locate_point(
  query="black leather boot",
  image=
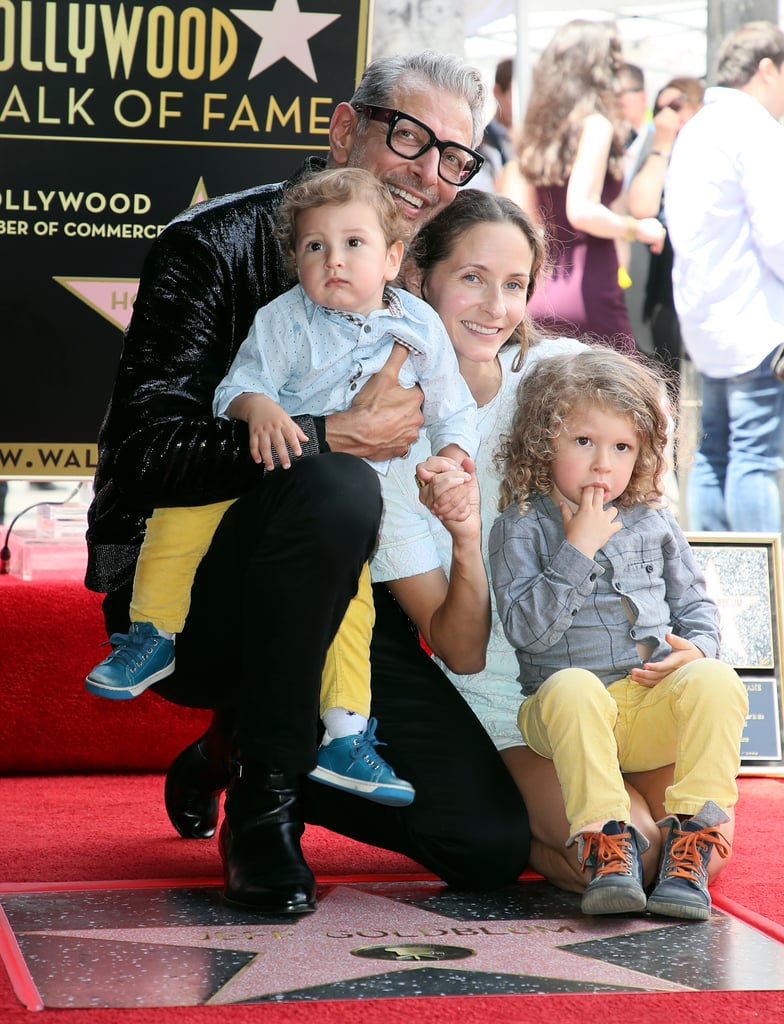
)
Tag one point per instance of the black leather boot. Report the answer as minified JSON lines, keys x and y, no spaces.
{"x":263,"y":866}
{"x":198,"y":776}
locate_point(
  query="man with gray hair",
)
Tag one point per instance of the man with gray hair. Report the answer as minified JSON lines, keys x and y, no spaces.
{"x":725,"y":217}
{"x":284,"y":563}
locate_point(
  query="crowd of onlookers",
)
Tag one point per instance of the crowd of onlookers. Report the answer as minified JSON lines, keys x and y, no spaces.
{"x":666,"y":235}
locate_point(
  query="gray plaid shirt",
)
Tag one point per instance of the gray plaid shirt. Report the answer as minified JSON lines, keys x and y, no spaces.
{"x":560,"y":608}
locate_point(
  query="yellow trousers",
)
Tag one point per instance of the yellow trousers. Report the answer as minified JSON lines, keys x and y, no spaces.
{"x":176,"y":541}
{"x":693,"y":718}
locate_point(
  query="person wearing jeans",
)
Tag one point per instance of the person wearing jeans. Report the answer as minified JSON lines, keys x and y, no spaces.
{"x":722,"y":202}
{"x":734,"y":481}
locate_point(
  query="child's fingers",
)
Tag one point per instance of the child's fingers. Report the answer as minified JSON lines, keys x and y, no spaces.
{"x":255,"y":447}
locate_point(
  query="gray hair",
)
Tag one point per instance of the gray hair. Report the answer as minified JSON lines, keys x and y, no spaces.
{"x":442,"y":70}
{"x":740,"y":53}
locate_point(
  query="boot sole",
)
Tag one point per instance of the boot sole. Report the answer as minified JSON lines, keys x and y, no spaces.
{"x":289,"y":908}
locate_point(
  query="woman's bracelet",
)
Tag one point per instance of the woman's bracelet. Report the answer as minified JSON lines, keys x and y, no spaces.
{"x":630,"y":234}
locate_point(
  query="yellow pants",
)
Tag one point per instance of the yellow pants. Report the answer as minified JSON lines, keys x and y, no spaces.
{"x":693,"y":718}
{"x":176,"y":541}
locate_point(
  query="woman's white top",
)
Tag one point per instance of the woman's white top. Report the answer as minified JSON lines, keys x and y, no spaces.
{"x":412,"y":541}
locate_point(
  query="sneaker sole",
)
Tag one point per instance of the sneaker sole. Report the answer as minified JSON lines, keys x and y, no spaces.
{"x":616,"y":900}
{"x":100,"y":689}
{"x":687,"y":911}
{"x":379,"y":793}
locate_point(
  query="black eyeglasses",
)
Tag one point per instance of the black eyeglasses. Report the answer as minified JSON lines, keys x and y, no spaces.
{"x":675,"y":105}
{"x":410,"y":138}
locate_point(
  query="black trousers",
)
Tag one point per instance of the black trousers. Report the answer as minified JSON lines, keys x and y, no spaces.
{"x":668,"y":345}
{"x":267,"y":601}
{"x":468,"y":823}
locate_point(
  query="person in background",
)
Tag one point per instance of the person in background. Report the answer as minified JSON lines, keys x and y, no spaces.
{"x":633,"y":102}
{"x":725,"y":218}
{"x":676,"y":102}
{"x":633,"y":256}
{"x":571,"y":156}
{"x":496,"y":145}
{"x":285,"y":560}
{"x":616,"y":637}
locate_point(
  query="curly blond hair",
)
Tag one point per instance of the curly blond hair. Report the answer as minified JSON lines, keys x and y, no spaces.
{"x":549,"y":394}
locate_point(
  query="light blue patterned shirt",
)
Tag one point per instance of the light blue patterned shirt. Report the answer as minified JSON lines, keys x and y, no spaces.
{"x":313,"y":360}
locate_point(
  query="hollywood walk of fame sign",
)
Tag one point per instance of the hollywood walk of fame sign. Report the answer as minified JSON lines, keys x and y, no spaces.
{"x":182,"y":946}
{"x":109,"y":115}
{"x":743,"y":573}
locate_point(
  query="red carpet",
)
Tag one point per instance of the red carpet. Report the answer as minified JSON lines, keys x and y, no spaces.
{"x":102,"y":827}
{"x":63,"y":827}
{"x":50,"y":638}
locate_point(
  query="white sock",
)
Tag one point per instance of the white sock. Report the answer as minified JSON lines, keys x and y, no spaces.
{"x":161,"y":632}
{"x":339,"y":722}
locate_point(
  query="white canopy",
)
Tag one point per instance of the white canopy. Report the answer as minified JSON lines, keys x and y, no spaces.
{"x":664,"y":39}
{"x":544,"y":13}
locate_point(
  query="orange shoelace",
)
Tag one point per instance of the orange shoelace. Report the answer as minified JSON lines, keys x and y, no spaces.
{"x":685,"y":854}
{"x":613,"y":853}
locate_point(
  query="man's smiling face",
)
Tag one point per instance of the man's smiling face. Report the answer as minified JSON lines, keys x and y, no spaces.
{"x":415,"y":184}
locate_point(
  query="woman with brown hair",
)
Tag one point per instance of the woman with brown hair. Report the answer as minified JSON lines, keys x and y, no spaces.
{"x":570,"y":160}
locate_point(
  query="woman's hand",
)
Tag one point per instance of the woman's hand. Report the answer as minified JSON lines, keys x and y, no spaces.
{"x":651,"y":232}
{"x":652,"y":672}
{"x":452,"y":613}
{"x":449,"y":490}
{"x":666,"y":125}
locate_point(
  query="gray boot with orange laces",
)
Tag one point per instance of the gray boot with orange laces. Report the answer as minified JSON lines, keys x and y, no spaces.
{"x":681,"y":889}
{"x":614,"y":855}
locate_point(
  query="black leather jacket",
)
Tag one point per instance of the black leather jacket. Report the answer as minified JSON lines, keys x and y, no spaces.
{"x":202,"y":282}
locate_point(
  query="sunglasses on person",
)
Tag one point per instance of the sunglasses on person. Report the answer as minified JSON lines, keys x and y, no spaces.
{"x":676,"y":105}
{"x":410,"y":138}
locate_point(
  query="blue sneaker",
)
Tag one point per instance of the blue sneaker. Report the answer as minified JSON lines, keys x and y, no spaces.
{"x":614,"y":855}
{"x":352,"y":764}
{"x":140,"y":658}
{"x":681,"y":888}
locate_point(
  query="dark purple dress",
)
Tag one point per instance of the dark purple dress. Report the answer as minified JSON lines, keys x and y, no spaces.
{"x":580,"y":294}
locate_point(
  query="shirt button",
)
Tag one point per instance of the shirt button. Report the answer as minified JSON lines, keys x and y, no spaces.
{"x":592,"y":577}
{"x":649,"y":568}
{"x":367,"y":328}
